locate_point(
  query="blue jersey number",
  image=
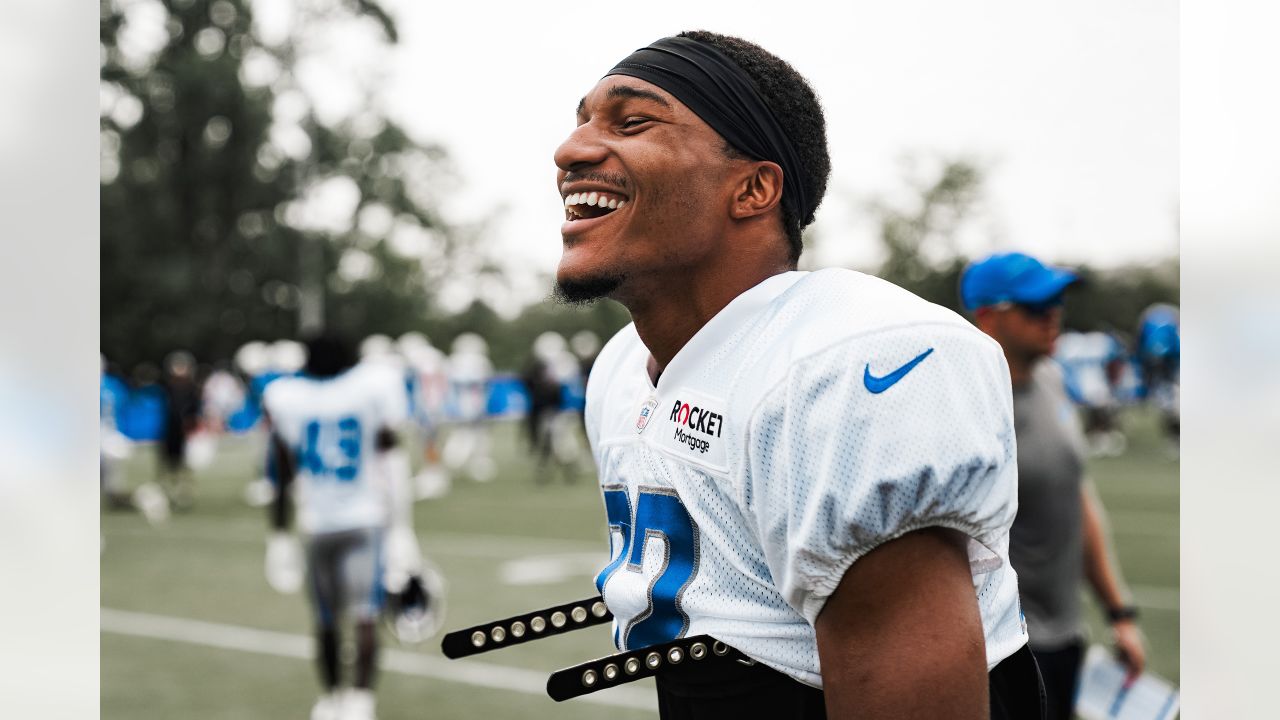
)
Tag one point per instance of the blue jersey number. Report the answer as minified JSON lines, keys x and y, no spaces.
{"x":657,"y":514}
{"x":331,"y":448}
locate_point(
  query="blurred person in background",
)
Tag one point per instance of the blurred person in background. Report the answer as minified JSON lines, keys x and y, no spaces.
{"x":333,"y":434}
{"x":224,"y":394}
{"x":1092,"y":364}
{"x":544,"y":398}
{"x":181,"y":419}
{"x":468,"y":447}
{"x":1059,"y":535}
{"x":144,"y":416}
{"x":113,"y":446}
{"x":554,"y":382}
{"x":428,"y":386}
{"x":586,"y":346}
{"x":1158,"y":355}
{"x":252,"y":361}
{"x":263,"y":364}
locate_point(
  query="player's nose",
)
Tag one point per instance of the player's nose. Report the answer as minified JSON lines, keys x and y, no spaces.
{"x":582,"y":149}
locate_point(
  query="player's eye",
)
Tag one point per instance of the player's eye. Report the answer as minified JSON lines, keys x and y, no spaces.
{"x":634,"y":122}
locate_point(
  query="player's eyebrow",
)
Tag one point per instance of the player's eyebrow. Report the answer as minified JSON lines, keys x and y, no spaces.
{"x":626,"y":91}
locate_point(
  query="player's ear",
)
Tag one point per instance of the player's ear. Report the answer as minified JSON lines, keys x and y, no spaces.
{"x":985,"y":318}
{"x":758,"y":191}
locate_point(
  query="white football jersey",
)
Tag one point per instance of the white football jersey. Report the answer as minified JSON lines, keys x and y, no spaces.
{"x":815,"y":417}
{"x":1084,"y":358}
{"x":330,"y":425}
{"x":469,"y":372}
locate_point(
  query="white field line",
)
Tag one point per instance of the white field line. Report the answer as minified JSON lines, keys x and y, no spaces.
{"x":300,"y":647}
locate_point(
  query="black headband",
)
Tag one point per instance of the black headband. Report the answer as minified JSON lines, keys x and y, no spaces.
{"x":719,"y":92}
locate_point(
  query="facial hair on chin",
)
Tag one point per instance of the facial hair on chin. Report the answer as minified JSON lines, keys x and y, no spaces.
{"x":582,"y":291}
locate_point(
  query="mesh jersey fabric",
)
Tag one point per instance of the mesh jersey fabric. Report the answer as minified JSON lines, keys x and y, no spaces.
{"x":330,"y":425}
{"x":789,"y":468}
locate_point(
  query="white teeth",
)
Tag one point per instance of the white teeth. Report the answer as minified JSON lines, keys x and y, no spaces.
{"x":591,"y":199}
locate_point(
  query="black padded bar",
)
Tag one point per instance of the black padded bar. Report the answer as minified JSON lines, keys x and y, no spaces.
{"x":523,"y":628}
{"x":646,"y":662}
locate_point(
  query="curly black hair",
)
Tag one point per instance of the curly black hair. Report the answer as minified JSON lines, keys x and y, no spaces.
{"x":329,"y":355}
{"x":795,"y":105}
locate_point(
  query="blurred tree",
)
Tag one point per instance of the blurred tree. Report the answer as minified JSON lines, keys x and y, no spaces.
{"x":920,"y":242}
{"x":920,"y":235}
{"x":227,"y":206}
{"x":1112,"y":299}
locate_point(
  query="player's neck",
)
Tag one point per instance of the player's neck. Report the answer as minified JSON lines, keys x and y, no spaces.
{"x":1020,"y":368}
{"x":666,"y":324}
{"x":666,"y":321}
{"x":670,"y":308}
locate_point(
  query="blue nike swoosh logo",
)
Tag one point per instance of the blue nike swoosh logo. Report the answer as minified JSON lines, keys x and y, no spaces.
{"x":880,"y":384}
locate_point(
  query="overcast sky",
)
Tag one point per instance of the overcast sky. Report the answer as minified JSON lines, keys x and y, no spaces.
{"x":1072,"y":107}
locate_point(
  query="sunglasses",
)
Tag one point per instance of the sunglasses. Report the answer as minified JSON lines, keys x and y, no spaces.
{"x":1035,"y":310}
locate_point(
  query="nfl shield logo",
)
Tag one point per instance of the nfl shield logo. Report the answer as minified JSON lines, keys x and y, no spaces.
{"x":646,"y":412}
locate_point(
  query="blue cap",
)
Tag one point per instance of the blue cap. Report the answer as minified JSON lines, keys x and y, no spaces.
{"x":1011,"y":277}
{"x":1158,"y":332}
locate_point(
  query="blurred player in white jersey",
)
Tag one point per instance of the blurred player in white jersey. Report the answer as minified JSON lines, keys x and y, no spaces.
{"x":816,"y":469}
{"x":428,"y":388}
{"x":333,"y":432}
{"x":224,"y":394}
{"x":467,"y":449}
{"x":1092,"y":364}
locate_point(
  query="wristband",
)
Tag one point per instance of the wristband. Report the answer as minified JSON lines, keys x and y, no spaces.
{"x":1124,"y":612}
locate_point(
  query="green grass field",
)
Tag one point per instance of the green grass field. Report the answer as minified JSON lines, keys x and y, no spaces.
{"x":191,"y":629}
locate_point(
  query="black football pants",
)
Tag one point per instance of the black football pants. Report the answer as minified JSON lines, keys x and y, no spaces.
{"x":758,"y":692}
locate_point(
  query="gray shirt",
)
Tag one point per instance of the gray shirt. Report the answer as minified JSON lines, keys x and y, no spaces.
{"x":1046,"y":546}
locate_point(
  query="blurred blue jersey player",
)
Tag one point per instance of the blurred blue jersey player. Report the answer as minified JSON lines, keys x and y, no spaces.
{"x":333,"y":440}
{"x":1159,"y":349}
{"x":113,"y":395}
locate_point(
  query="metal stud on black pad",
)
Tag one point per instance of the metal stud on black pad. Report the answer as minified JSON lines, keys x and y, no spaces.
{"x":622,"y":668}
{"x":512,"y":630}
